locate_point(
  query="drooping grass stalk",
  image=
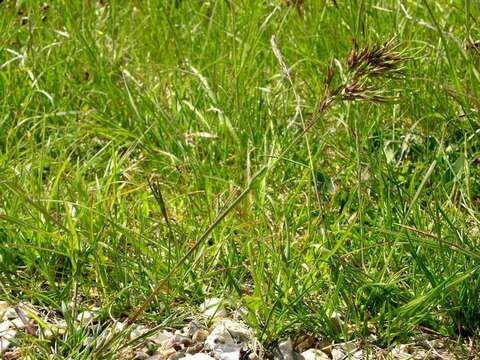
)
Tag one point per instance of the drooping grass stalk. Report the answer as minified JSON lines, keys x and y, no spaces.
{"x":363,"y":66}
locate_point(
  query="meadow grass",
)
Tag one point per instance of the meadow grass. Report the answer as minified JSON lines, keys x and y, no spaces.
{"x":175,"y":148}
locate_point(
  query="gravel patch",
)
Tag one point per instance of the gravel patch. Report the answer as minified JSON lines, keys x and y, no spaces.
{"x":225,"y":339}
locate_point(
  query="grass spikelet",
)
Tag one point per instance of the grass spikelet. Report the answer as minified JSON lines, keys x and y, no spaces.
{"x":365,"y":64}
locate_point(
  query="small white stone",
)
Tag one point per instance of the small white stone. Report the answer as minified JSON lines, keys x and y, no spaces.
{"x":4,"y":326}
{"x":338,"y":354}
{"x":54,"y":330}
{"x":10,"y":334}
{"x":138,"y":331}
{"x":349,"y":347}
{"x":6,"y":340}
{"x":213,"y":308}
{"x":4,"y":306}
{"x":4,"y":345}
{"x":118,"y":326}
{"x":48,"y":334}
{"x":315,"y":354}
{"x":141,"y":355}
{"x":239,"y":332}
{"x":71,"y":305}
{"x":85,"y":317}
{"x":190,"y":329}
{"x":18,"y":323}
{"x":337,"y":320}
{"x":228,"y":355}
{"x":222,"y":344}
{"x":197,"y":356}
{"x":227,"y":339}
{"x":285,"y":350}
{"x":10,"y":314}
{"x":218,"y":336}
{"x":358,"y":354}
{"x":162,"y":338}
{"x":398,"y":353}
{"x":156,"y":357}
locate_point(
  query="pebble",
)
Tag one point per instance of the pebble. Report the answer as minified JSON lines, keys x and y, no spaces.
{"x":228,"y":339}
{"x":168,"y":352}
{"x":162,"y":338}
{"x":10,"y":314}
{"x":225,"y":340}
{"x":4,"y":326}
{"x":338,"y":354}
{"x":4,"y":345}
{"x":55,"y":330}
{"x":358,"y":354}
{"x":4,"y":306}
{"x":284,"y":351}
{"x":14,"y":355}
{"x":18,"y":324}
{"x":6,"y":340}
{"x":200,"y":335}
{"x":198,"y":356}
{"x":222,"y":344}
{"x":238,"y":331}
{"x":398,"y":352}
{"x":191,"y":329}
{"x":85,"y":317}
{"x":141,"y":355}
{"x":138,"y":331}
{"x":218,"y":337}
{"x":118,"y":326}
{"x":315,"y":354}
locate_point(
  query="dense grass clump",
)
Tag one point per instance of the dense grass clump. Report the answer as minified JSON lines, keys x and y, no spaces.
{"x":301,"y":159}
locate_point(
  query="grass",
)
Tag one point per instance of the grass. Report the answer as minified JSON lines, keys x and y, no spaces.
{"x":128,"y":128}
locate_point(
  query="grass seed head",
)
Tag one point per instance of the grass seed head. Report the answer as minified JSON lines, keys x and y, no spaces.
{"x":364,"y":64}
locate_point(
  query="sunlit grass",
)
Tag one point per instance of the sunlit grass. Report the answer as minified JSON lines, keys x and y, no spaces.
{"x":128,"y":128}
